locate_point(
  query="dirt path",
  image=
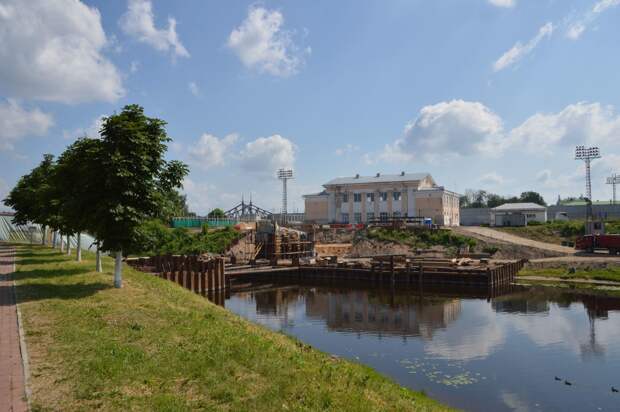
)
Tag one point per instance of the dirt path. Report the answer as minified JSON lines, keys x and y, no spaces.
{"x":475,"y":231}
{"x":12,"y":387}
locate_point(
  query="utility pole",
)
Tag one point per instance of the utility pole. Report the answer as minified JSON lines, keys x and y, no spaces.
{"x":613,"y":180}
{"x":284,"y":175}
{"x":587,"y":154}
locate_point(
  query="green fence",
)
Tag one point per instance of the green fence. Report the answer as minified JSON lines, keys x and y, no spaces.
{"x":197,"y":222}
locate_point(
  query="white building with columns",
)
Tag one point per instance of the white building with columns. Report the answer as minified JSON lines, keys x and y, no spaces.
{"x":360,"y":199}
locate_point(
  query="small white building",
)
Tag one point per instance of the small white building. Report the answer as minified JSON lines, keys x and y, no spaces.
{"x":517,"y":214}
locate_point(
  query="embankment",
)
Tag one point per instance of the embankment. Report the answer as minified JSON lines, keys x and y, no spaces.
{"x":153,"y":345}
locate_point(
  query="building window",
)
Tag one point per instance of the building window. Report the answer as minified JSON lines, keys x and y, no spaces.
{"x":344,"y":218}
{"x":383,"y":216}
{"x":396,"y":195}
{"x":345,"y":197}
{"x":383,"y":196}
{"x":396,"y":215}
{"x":370,"y":216}
{"x":530,"y":216}
{"x":357,"y":197}
{"x":370,"y":197}
{"x":357,"y":217}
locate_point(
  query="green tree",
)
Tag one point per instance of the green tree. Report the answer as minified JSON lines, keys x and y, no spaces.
{"x":135,"y":179}
{"x":532,"y":197}
{"x":31,"y":197}
{"x":77,"y":181}
{"x":216,"y":213}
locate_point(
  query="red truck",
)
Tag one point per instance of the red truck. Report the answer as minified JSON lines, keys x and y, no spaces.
{"x":590,"y":243}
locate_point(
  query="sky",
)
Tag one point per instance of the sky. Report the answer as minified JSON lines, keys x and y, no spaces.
{"x":481,"y":94}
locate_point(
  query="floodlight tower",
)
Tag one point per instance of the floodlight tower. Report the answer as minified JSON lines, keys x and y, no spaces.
{"x":284,"y":175}
{"x":587,"y":154}
{"x":613,"y":180}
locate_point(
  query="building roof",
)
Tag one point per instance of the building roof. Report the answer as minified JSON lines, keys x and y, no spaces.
{"x":519,"y":206}
{"x":323,"y":193}
{"x":583,"y":203}
{"x":380,"y":178}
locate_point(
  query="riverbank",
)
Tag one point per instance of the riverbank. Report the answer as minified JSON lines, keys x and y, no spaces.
{"x":153,"y":345}
{"x":608,"y":274}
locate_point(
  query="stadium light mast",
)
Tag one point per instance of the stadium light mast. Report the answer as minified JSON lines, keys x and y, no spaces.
{"x":613,"y":180}
{"x":587,"y":154}
{"x":284,"y":175}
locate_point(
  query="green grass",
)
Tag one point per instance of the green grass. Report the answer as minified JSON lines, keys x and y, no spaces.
{"x":153,"y":345}
{"x":557,"y":231}
{"x":421,"y":238}
{"x":609,"y":273}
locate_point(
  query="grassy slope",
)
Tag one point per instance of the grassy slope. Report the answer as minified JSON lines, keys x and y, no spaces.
{"x":556,"y":232}
{"x":609,"y":273}
{"x":155,"y":346}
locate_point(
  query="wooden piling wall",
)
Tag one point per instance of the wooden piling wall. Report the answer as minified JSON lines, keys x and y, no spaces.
{"x":412,"y":274}
{"x":200,"y":276}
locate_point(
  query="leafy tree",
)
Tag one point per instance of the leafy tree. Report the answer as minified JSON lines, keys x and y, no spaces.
{"x":494,"y":200}
{"x":177,"y":206}
{"x":77,"y":181}
{"x":532,"y":197}
{"x":216,"y":213}
{"x":135,"y":179}
{"x":31,"y":197}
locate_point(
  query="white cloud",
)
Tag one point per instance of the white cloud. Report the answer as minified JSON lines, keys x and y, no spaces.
{"x":346,"y":149}
{"x":199,"y":196}
{"x":580,"y":123}
{"x":459,"y":128}
{"x":519,"y":50}
{"x":578,"y":27}
{"x":544,"y":176}
{"x":456,"y":127}
{"x":17,"y":122}
{"x":4,"y":191}
{"x":492,"y":178}
{"x":262,"y":44}
{"x":139,"y":23}
{"x":503,"y":3}
{"x":193,"y":88}
{"x":91,"y":131}
{"x":210,"y":150}
{"x":266,"y":155}
{"x":52,"y":50}
{"x":135,"y":65}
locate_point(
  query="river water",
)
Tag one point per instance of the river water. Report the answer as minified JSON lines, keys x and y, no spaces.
{"x":535,"y":349}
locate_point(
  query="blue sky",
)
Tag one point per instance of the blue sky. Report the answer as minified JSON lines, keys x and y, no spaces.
{"x":490,"y":94}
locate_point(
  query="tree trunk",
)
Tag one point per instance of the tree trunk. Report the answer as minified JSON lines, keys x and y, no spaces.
{"x":118,"y":266}
{"x":98,"y":259}
{"x":43,"y":232}
{"x":54,"y":234}
{"x":68,"y":245}
{"x":78,"y":254}
{"x":62,"y":242}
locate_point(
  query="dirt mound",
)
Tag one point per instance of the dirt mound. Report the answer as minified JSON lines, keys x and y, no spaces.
{"x":327,"y":236}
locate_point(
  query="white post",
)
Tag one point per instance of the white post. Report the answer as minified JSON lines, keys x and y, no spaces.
{"x":118,"y":280}
{"x":78,"y":254}
{"x":98,"y":259}
{"x":68,"y":245}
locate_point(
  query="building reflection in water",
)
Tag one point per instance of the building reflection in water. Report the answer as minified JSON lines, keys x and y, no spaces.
{"x":361,"y":311}
{"x":367,"y":312}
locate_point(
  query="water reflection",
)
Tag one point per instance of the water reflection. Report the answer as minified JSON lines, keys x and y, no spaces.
{"x":500,"y":353}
